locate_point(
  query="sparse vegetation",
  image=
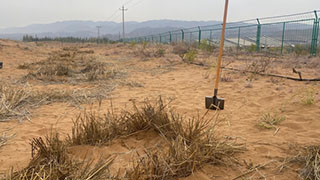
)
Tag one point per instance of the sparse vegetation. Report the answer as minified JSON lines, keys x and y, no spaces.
{"x":308,"y":96}
{"x":50,"y":160}
{"x":190,"y":56}
{"x":270,"y":120}
{"x":191,"y":143}
{"x":205,"y":45}
{"x":16,"y":100}
{"x":71,"y":65}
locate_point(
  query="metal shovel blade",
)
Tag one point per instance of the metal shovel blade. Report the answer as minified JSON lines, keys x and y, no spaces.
{"x":214,"y":103}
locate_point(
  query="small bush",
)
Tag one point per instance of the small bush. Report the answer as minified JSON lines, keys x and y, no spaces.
{"x":301,"y":50}
{"x":190,"y":56}
{"x":160,"y":53}
{"x":252,"y":48}
{"x":206,"y":46}
{"x":133,"y":44}
{"x":180,"y":49}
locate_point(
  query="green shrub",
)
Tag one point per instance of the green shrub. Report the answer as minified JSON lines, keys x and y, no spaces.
{"x":133,"y":44}
{"x":190,"y":56}
{"x":160,"y":52}
{"x":301,"y":49}
{"x":206,"y":46}
{"x":252,"y":48}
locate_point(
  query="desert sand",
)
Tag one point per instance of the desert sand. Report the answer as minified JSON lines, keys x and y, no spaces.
{"x":248,"y":99}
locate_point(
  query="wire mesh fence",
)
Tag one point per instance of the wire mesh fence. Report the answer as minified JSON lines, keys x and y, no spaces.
{"x":298,"y":33}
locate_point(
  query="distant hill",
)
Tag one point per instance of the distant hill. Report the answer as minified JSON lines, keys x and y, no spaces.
{"x":88,"y":28}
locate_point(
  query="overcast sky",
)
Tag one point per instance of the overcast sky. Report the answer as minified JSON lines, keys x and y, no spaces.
{"x":17,"y":13}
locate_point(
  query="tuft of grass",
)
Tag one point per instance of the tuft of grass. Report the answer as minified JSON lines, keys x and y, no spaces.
{"x":308,"y":96}
{"x":191,"y":143}
{"x":269,"y":120}
{"x":50,"y":160}
{"x":12,"y":100}
{"x":311,"y":162}
{"x":4,"y":138}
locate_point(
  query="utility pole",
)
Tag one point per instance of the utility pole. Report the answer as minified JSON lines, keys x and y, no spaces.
{"x":123,"y":31}
{"x":98,"y":27}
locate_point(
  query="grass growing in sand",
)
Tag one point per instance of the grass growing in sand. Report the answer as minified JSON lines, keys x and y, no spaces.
{"x":307,"y":160}
{"x":308,"y":96}
{"x":270,"y":120}
{"x":16,"y":100}
{"x":71,"y":65}
{"x":191,"y":143}
{"x":50,"y":160}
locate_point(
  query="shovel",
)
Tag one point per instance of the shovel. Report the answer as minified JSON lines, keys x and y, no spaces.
{"x":213,"y":102}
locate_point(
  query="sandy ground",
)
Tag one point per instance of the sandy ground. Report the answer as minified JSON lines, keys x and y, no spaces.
{"x":187,"y":85}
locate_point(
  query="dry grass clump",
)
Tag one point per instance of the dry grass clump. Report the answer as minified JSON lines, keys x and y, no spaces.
{"x":180,"y":49}
{"x":259,"y":66}
{"x":12,"y":100}
{"x":93,"y":129}
{"x":307,"y":160}
{"x":191,"y":143}
{"x":146,"y":51}
{"x":16,"y":100}
{"x":308,"y":96}
{"x":50,"y":161}
{"x":71,"y":66}
{"x":4,"y":138}
{"x":311,"y":161}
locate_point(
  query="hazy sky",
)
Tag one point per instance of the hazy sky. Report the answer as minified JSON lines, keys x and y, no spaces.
{"x":25,"y":12}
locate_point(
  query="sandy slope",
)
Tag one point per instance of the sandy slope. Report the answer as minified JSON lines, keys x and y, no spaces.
{"x":187,"y":85}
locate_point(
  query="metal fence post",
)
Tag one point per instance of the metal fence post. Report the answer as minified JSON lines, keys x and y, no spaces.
{"x":199,"y":36}
{"x":170,"y":39}
{"x":315,"y":34}
{"x":182,"y":35}
{"x":160,"y":39}
{"x":282,"y":39}
{"x":258,"y":35}
{"x":239,"y":38}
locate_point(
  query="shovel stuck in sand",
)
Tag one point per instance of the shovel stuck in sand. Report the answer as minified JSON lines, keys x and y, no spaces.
{"x":214,"y":102}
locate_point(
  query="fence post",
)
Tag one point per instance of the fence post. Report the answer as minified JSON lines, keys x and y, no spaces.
{"x":282,"y":40}
{"x":199,"y":36}
{"x":238,"y":38}
{"x":182,"y":35}
{"x":258,"y":35}
{"x":210,"y":35}
{"x":170,"y":37}
{"x":160,"y":39}
{"x":315,"y":33}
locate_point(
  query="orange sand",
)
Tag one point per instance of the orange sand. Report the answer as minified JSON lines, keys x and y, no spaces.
{"x":187,"y":85}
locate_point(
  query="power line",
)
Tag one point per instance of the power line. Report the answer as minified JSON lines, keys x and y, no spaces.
{"x":128,"y":2}
{"x":136,"y":4}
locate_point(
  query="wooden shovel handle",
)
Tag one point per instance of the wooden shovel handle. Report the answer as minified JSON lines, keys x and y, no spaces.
{"x":221,"y":46}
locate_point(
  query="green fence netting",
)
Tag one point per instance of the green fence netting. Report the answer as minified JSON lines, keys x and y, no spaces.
{"x":279,"y":34}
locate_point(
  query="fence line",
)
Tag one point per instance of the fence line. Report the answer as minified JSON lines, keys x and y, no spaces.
{"x":280,"y":34}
